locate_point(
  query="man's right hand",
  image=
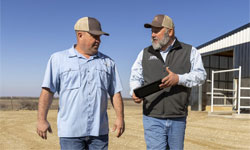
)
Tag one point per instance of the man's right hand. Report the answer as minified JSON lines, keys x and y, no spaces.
{"x":42,"y":128}
{"x":136,"y":99}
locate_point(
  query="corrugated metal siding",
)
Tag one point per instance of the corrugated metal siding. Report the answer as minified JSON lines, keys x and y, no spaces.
{"x":219,"y":51}
{"x":235,"y":37}
{"x":240,"y":37}
{"x":242,"y":58}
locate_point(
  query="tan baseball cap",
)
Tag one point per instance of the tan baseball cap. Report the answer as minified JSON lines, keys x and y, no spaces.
{"x":90,"y":25}
{"x":160,"y":21}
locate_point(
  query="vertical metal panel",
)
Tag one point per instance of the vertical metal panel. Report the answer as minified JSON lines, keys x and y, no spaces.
{"x":194,"y":98}
{"x":242,"y":58}
{"x":247,"y":57}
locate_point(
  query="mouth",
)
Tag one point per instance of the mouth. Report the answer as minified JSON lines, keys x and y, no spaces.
{"x":154,"y":39}
{"x":96,"y":45}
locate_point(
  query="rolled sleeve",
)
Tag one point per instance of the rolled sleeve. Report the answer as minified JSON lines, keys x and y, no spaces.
{"x":197,"y":74}
{"x":51,"y":77}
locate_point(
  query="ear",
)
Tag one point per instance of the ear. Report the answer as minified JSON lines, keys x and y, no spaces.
{"x":171,"y":32}
{"x":79,"y":34}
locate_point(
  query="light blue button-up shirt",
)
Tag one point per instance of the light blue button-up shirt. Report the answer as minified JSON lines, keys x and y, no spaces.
{"x":82,"y":85}
{"x":196,"y":76}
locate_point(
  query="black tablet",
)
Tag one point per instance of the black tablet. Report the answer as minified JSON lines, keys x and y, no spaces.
{"x":148,"y":89}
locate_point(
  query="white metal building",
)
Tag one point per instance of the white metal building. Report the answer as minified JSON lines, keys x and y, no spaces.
{"x":229,"y":51}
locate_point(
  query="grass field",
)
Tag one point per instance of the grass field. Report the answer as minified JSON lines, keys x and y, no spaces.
{"x":18,"y":131}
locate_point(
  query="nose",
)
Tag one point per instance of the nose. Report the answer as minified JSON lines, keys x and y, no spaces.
{"x":153,"y":34}
{"x":98,"y":39}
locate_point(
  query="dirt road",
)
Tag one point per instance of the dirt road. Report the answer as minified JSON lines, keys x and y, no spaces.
{"x":18,"y":131}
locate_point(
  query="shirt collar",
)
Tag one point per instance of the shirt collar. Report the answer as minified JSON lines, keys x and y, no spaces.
{"x":169,"y":48}
{"x":74,"y":53}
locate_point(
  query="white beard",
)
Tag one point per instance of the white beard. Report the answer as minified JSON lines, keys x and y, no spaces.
{"x":161,"y":43}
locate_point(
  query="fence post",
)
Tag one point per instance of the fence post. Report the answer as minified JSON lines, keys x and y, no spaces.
{"x":212,"y":92}
{"x":239,"y":79}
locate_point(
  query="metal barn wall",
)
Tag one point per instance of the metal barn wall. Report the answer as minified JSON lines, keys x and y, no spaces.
{"x":237,"y":41}
{"x":242,"y":58}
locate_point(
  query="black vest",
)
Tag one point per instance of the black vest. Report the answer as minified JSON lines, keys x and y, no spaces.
{"x":171,"y":101}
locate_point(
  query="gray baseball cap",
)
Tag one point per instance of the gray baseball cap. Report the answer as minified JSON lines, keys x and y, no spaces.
{"x":161,"y":21}
{"x":90,"y":25}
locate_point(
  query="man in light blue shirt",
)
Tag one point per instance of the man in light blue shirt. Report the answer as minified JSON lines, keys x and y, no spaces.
{"x":83,"y":77}
{"x":179,"y":67}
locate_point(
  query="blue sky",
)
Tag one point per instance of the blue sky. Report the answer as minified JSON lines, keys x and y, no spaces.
{"x":32,"y":30}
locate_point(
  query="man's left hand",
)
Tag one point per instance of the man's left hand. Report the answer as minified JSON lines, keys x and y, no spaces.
{"x":171,"y":80}
{"x":119,"y":126}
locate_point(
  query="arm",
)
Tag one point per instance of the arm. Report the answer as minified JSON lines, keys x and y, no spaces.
{"x":45,"y":101}
{"x":49,"y":87}
{"x":196,"y":76}
{"x":119,"y":109}
{"x":136,"y":77}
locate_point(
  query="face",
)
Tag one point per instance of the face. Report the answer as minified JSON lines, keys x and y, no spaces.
{"x":89,"y":42}
{"x":159,"y":37}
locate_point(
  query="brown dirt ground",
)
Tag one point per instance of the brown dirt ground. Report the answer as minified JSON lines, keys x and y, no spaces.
{"x":203,"y":132}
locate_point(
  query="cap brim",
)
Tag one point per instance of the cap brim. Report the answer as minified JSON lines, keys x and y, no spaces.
{"x":149,"y":25}
{"x":98,"y":33}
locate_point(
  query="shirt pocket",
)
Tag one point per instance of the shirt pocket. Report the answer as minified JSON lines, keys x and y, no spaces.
{"x":70,"y":79}
{"x":103,"y":78}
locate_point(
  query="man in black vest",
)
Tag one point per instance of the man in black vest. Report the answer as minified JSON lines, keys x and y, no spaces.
{"x":180,"y":67}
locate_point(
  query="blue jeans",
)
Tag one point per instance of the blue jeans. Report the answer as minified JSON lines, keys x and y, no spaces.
{"x":162,"y":134}
{"x":84,"y":143}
